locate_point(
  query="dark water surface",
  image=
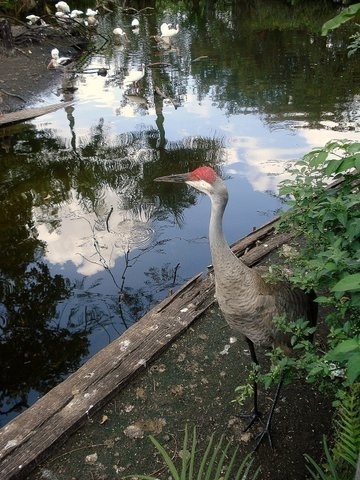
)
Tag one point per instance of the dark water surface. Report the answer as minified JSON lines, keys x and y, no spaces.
{"x":89,"y":242}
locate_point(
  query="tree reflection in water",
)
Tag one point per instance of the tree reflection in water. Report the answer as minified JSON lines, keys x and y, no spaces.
{"x":98,"y":202}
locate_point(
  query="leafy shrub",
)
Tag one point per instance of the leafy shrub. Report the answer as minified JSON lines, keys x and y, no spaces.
{"x":324,"y":197}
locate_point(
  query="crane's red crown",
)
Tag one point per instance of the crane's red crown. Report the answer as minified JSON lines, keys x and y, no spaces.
{"x":203,"y":173}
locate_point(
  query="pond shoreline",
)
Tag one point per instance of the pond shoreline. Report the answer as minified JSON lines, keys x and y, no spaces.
{"x":25,"y":77}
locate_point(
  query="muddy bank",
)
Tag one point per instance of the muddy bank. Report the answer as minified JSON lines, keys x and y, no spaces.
{"x":24,"y":76}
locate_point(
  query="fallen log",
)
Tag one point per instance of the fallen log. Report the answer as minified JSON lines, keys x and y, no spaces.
{"x":27,"y":114}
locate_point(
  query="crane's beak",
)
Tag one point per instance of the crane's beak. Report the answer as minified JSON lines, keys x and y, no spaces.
{"x":177,"y":178}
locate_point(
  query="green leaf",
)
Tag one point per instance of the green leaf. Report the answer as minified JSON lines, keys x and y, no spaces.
{"x":353,"y":367}
{"x":322,"y":299}
{"x":348,"y":283}
{"x":193,"y":454}
{"x":348,"y":351}
{"x":342,"y":350}
{"x":346,"y":164}
{"x":344,"y":16}
{"x":205,"y":457}
{"x":184,"y":459}
{"x":331,"y":167}
{"x":166,"y":457}
{"x":355,"y":146}
{"x":319,"y":158}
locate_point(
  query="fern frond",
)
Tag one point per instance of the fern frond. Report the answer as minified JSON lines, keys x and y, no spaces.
{"x":347,"y":430}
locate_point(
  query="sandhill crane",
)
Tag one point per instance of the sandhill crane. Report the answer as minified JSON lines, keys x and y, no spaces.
{"x":247,"y":302}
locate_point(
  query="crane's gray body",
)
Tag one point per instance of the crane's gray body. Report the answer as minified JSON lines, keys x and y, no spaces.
{"x":248,"y":303}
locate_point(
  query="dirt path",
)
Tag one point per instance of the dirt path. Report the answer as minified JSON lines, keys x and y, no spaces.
{"x":192,"y":384}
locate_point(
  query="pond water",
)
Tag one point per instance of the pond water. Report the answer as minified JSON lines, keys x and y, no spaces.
{"x":89,"y":241}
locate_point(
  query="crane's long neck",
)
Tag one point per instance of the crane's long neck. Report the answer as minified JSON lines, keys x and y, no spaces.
{"x":222,"y":256}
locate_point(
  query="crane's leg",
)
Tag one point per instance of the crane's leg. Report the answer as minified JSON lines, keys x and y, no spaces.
{"x":255,"y":414}
{"x":267,"y":428}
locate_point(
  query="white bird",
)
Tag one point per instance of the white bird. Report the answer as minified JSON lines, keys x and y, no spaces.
{"x":32,"y":19}
{"x":76,"y":13}
{"x":91,"y":21}
{"x":134,"y":76}
{"x":135,"y":24}
{"x":57,"y":61}
{"x":61,"y":16}
{"x":91,"y":13}
{"x":62,"y":7}
{"x":119,"y":34}
{"x":168,"y":30}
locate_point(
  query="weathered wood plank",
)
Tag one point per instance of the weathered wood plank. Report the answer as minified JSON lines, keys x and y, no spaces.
{"x":29,"y":437}
{"x":21,"y":115}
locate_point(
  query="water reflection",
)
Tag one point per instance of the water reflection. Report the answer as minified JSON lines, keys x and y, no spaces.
{"x":89,"y":241}
{"x":86,"y":213}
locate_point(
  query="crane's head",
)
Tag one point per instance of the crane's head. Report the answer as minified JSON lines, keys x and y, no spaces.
{"x":204,"y":179}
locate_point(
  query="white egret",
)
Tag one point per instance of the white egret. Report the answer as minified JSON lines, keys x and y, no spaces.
{"x":91,"y":13}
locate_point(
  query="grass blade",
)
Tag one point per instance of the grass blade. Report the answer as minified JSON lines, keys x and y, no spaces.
{"x":213,"y":458}
{"x":204,"y":458}
{"x":166,"y":457}
{"x":222,"y":460}
{"x":184,"y":457}
{"x":193,"y":454}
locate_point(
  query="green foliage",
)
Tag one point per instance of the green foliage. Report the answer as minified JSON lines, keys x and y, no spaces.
{"x":216,"y":461}
{"x":341,"y":461}
{"x":325,"y":199}
{"x":348,"y":352}
{"x":354,"y":45}
{"x":347,"y":434}
{"x":344,"y":16}
{"x":323,"y":473}
{"x":324,"y":195}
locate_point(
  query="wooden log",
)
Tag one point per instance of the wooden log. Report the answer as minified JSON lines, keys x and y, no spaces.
{"x":28,"y":439}
{"x":21,"y":115}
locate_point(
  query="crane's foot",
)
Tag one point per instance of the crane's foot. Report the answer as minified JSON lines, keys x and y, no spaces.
{"x":252,"y":418}
{"x":260,"y":437}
